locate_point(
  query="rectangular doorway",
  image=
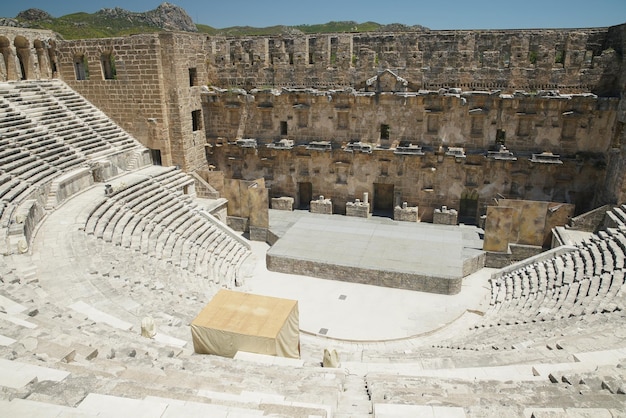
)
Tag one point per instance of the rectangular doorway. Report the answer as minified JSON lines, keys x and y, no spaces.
{"x":155,"y":154}
{"x":305,"y":195}
{"x":383,"y":199}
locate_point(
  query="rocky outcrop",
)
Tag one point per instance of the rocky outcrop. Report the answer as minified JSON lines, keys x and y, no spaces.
{"x":13,"y":23}
{"x":34,"y":15}
{"x":399,"y":27}
{"x":166,"y":16}
{"x":171,"y":17}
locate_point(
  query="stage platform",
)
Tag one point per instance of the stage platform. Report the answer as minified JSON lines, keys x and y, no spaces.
{"x":377,"y":251}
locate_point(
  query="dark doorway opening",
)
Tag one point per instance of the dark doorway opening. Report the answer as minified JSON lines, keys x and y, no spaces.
{"x":384,"y":131}
{"x":383,"y":200}
{"x":155,"y":154}
{"x":468,"y":210}
{"x":283,"y":128}
{"x":23,"y":69}
{"x":305,"y":195}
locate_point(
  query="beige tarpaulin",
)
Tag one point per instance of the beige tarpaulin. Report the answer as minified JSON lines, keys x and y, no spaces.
{"x":235,"y":321}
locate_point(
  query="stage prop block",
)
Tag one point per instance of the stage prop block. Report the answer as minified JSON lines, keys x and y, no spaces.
{"x":236,"y":321}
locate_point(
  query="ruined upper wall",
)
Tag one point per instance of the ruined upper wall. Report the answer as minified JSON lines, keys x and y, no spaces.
{"x":571,"y":60}
{"x":563,"y":124}
{"x":28,"y":54}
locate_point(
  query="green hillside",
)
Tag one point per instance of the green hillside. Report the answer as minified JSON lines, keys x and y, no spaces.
{"x":103,"y":25}
{"x":86,"y":25}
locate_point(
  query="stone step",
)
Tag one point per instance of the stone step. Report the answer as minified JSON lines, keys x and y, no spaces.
{"x":16,"y":374}
{"x":390,"y":410}
{"x":27,"y":408}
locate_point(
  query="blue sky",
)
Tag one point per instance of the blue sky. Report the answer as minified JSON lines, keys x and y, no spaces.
{"x":435,"y":14}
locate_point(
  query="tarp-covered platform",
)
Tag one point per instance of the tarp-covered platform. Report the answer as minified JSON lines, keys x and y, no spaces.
{"x":236,"y":321}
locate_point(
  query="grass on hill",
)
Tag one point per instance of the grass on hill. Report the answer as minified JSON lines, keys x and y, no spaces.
{"x":94,"y":25}
{"x":86,"y":25}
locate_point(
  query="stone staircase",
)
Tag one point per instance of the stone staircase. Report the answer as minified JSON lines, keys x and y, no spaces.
{"x":355,"y":399}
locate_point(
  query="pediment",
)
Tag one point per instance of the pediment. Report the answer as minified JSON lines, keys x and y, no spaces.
{"x":386,"y":81}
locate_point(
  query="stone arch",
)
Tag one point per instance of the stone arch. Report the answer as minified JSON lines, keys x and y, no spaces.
{"x":22,"y":51}
{"x":7,"y":70}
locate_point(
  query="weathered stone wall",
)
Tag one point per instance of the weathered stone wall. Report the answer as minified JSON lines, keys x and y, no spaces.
{"x":28,"y":54}
{"x":429,"y":181}
{"x":562,"y":124}
{"x":157,"y":94}
{"x":523,"y":222}
{"x":134,"y":96}
{"x":183,"y":58}
{"x":614,"y":190}
{"x":153,"y":91}
{"x":591,"y":221}
{"x":577,"y":60}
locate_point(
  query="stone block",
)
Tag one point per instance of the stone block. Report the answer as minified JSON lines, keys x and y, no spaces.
{"x":321,"y":206}
{"x":406,"y":213}
{"x":445,"y":216}
{"x":258,"y":234}
{"x":282,"y":203}
{"x":238,"y":223}
{"x":358,"y":209}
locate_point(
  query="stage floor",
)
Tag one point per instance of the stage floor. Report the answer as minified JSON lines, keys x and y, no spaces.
{"x":375,"y":244}
{"x":358,"y":312}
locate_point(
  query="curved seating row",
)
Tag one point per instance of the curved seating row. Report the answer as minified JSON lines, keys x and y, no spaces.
{"x":581,"y":282}
{"x":154,"y":217}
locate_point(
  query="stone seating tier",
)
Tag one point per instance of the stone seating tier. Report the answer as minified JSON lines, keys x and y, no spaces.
{"x":37,"y":101}
{"x":152,"y":216}
{"x":582,"y":282}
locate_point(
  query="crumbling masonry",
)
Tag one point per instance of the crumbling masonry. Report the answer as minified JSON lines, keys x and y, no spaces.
{"x":446,"y":118}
